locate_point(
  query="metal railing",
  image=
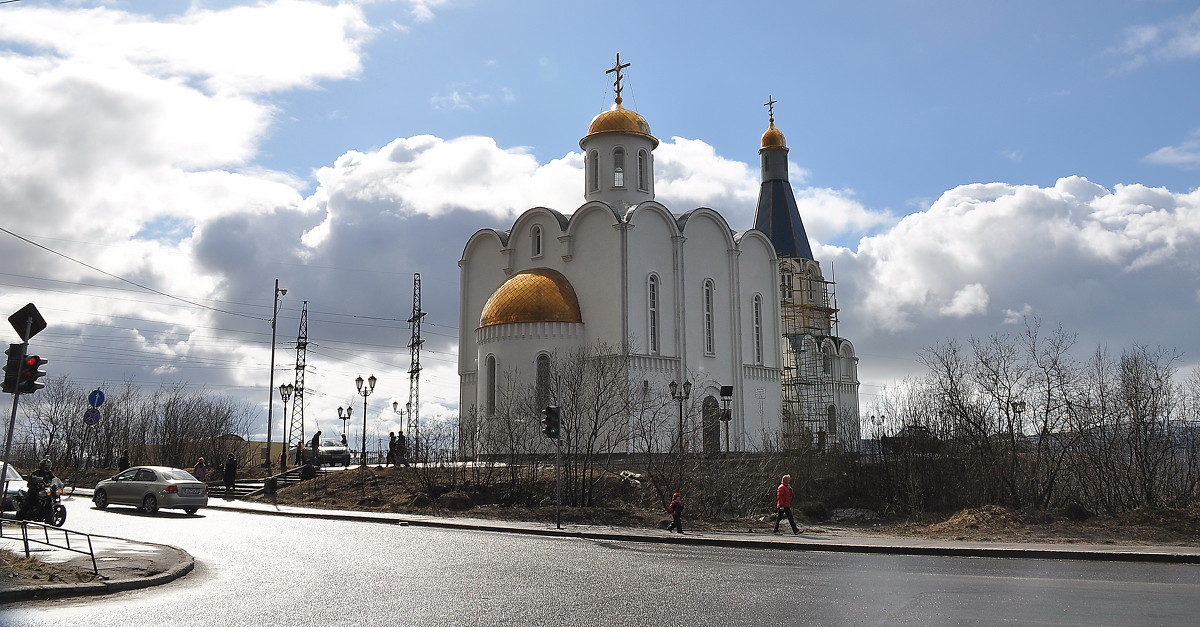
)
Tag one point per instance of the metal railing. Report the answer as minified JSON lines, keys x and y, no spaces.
{"x":30,"y":534}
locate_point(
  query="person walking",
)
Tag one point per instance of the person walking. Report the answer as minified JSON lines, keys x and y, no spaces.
{"x":230,"y":475}
{"x":676,"y":509}
{"x":283,"y":459}
{"x":391,"y":454}
{"x":123,"y":460}
{"x":783,"y":504}
{"x":315,"y":446}
{"x":402,"y":449}
{"x":200,"y":470}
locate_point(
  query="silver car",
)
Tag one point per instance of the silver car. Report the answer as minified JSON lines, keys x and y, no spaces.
{"x":152,"y":488}
{"x":13,"y":483}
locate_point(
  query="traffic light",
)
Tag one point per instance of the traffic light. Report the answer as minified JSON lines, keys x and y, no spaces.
{"x":550,"y":422}
{"x":31,"y":373}
{"x":12,"y":368}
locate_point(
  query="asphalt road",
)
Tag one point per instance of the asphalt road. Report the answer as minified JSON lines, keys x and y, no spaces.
{"x":297,"y":571}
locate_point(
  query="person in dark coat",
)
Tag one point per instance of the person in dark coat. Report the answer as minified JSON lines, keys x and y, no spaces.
{"x":401,"y":449}
{"x":391,"y":454}
{"x":230,"y":473}
{"x":783,"y":504}
{"x":315,"y":446}
{"x":123,"y":460}
{"x":676,"y":509}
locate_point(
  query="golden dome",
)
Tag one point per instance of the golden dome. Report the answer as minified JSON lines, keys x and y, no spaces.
{"x":773,"y":138}
{"x":618,"y":119}
{"x":537,"y":295}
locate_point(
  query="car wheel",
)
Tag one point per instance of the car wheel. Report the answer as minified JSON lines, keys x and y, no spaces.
{"x":150,"y":504}
{"x":190,"y":511}
{"x":101,"y":499}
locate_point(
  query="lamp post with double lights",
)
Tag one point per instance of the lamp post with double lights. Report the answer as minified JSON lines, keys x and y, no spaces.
{"x":365,"y":391}
{"x":285,"y":393}
{"x":680,"y":398}
{"x":271,"y":385}
{"x":344,"y":414}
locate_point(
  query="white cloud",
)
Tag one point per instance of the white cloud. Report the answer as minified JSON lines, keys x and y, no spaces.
{"x":1185,"y":155}
{"x":1176,"y":39}
{"x":971,"y":300}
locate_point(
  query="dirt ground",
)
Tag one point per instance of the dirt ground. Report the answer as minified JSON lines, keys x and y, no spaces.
{"x":392,"y":490}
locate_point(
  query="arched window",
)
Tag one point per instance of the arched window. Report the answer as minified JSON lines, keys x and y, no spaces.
{"x":643,"y":170}
{"x":652,"y":313}
{"x":758,"y":330}
{"x":827,"y":360}
{"x":535,"y":237}
{"x":785,"y":286}
{"x":709,"y":331}
{"x":490,"y":382}
{"x":593,"y":166}
{"x":543,"y":380}
{"x":619,"y":167}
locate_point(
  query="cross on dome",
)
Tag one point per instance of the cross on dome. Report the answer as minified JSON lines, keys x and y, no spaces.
{"x":617,"y":68}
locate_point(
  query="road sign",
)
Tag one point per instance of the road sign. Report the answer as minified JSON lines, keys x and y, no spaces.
{"x":27,"y":319}
{"x":91,"y":416}
{"x":96,"y":398}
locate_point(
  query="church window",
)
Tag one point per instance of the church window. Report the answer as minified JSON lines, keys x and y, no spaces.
{"x":593,"y":167}
{"x":490,"y":382}
{"x":785,"y":286}
{"x":535,"y":236}
{"x":543,"y":380}
{"x":709,"y":331}
{"x":827,"y":361}
{"x":643,"y":171}
{"x":619,"y":167}
{"x":652,"y":310}
{"x":758,"y":330}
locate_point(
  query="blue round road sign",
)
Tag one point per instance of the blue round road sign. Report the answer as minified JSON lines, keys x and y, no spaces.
{"x":91,"y":416}
{"x":96,"y":398}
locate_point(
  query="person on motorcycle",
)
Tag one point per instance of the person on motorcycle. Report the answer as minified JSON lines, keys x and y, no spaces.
{"x":38,"y":480}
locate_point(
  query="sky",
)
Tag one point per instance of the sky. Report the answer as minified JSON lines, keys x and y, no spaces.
{"x":961,"y":168}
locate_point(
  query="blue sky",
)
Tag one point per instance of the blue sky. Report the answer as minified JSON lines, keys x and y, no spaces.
{"x":961,"y":167}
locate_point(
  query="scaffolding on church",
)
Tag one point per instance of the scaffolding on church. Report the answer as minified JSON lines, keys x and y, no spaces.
{"x":808,"y":314}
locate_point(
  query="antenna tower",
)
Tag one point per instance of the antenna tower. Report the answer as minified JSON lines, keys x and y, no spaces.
{"x":414,"y":368}
{"x":296,"y":431}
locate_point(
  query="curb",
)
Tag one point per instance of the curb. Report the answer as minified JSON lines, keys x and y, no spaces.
{"x":182,"y":563}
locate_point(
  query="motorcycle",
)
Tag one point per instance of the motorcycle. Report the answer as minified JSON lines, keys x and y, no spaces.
{"x":46,"y":508}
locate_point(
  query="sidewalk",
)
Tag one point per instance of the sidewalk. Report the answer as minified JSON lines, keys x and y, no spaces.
{"x":129,"y":564}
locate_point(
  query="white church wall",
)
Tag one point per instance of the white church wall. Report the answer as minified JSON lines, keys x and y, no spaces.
{"x":651,"y":251}
{"x":595,"y":270}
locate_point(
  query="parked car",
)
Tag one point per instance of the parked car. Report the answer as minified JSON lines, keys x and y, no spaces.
{"x":152,"y":488}
{"x":333,"y":452}
{"x":13,"y":483}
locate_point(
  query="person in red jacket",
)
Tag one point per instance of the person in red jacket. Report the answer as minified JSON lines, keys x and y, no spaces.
{"x":676,"y":509}
{"x":783,"y":504}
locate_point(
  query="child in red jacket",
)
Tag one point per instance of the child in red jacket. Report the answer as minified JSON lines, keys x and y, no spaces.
{"x":676,"y":509}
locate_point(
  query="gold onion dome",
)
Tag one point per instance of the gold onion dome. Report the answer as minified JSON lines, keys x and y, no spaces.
{"x":773,"y":138}
{"x":537,"y":295}
{"x":618,"y":119}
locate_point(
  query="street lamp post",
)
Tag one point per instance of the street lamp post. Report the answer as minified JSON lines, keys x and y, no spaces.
{"x":271,"y":385}
{"x":726,"y":412}
{"x":285,"y":392}
{"x":344,"y":414}
{"x":680,"y":398}
{"x":365,"y":391}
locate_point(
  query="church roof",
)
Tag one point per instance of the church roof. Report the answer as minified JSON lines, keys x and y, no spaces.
{"x":535,"y":295}
{"x":779,"y":217}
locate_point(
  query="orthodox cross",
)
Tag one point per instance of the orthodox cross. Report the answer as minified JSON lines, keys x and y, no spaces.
{"x":770,"y":105}
{"x":617,"y":68}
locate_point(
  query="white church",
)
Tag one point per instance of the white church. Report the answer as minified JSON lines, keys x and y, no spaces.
{"x":683,"y":297}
